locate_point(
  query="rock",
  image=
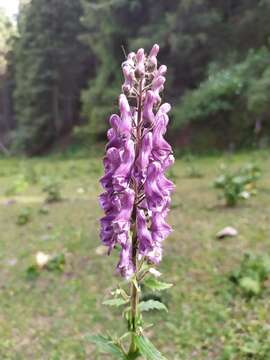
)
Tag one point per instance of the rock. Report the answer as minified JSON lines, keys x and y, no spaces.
{"x":228,"y":231}
{"x":42,"y":259}
{"x":12,"y":262}
{"x":45,"y":237}
{"x":101,"y":250}
{"x":49,"y":226}
{"x":9,"y":202}
{"x":80,"y":190}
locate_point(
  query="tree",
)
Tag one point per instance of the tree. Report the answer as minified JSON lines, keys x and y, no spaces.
{"x":7,"y":32}
{"x":50,"y":63}
{"x":196,"y":37}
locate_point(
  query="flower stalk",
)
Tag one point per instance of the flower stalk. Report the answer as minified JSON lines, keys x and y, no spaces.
{"x":136,"y":196}
{"x":134,"y":293}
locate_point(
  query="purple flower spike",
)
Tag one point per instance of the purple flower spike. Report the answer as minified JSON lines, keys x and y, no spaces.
{"x":136,"y":197}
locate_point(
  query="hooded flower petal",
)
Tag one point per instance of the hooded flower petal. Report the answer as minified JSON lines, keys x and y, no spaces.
{"x":157,"y":87}
{"x":154,"y":195}
{"x":125,"y":265}
{"x":144,"y":155}
{"x":159,"y":228}
{"x":143,"y":233}
{"x":121,"y":175}
{"x":148,"y":114}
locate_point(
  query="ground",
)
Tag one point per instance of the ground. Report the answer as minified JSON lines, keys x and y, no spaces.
{"x":48,"y":317}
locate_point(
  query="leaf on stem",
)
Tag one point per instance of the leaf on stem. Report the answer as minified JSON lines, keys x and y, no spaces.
{"x":107,"y":345}
{"x":152,"y":305}
{"x":154,"y":284}
{"x":115,"y":302}
{"x":147,"y":349}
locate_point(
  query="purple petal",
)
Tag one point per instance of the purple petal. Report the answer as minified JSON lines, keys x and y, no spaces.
{"x":143,"y":233}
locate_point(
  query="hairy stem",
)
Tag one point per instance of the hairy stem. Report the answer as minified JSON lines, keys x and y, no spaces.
{"x":134,"y":300}
{"x":134,"y":294}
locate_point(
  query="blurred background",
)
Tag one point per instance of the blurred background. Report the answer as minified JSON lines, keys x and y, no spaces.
{"x":60,"y":78}
{"x":60,"y":69}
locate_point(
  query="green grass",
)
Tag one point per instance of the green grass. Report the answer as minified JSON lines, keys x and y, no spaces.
{"x":48,"y":318}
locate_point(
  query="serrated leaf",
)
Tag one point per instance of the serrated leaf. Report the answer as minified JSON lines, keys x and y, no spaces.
{"x":115,"y":302}
{"x":154,"y":284}
{"x":152,"y":305}
{"x":147,"y":349}
{"x":106,"y":345}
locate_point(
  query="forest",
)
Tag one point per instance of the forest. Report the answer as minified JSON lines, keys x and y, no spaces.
{"x":59,"y":80}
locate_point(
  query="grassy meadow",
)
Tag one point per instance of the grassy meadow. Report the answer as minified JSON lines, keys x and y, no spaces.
{"x":48,"y":315}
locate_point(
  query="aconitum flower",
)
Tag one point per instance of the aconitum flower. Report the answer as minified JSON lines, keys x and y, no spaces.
{"x":136,"y":196}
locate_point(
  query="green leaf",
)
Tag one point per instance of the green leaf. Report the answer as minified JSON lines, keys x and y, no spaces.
{"x":32,"y":272}
{"x":147,"y":349}
{"x":106,"y":345}
{"x":115,"y":302}
{"x":152,"y":305}
{"x":154,"y":284}
{"x":250,"y":286}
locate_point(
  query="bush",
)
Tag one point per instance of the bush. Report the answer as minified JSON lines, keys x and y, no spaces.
{"x":19,"y":185}
{"x":238,"y":185}
{"x":192,"y":170}
{"x":234,"y":97}
{"x":252,"y":273}
{"x":53,"y":190}
{"x":24,"y":216}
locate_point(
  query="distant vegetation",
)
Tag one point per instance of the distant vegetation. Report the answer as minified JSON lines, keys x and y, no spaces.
{"x":58,"y":69}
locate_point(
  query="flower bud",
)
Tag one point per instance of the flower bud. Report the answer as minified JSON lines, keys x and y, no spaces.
{"x":140,"y":68}
{"x":152,"y":59}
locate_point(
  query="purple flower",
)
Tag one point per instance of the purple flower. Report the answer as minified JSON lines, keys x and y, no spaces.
{"x":122,"y":173}
{"x":136,"y":197}
{"x":148,"y":113}
{"x":143,"y":157}
{"x":143,"y":233}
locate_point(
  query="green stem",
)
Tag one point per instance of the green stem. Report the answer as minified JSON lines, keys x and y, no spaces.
{"x":134,"y":295}
{"x":134,"y":298}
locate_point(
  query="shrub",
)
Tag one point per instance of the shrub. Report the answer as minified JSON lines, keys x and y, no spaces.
{"x":192,"y":170}
{"x":238,"y":185}
{"x":227,"y":89}
{"x":19,"y":185}
{"x":53,"y":190}
{"x":24,"y":216}
{"x":252,"y":273}
{"x":31,"y":174}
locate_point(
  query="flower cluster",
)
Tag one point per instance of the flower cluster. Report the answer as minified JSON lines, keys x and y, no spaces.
{"x":137,"y":193}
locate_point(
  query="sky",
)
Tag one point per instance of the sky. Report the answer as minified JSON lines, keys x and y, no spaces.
{"x":10,"y":7}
